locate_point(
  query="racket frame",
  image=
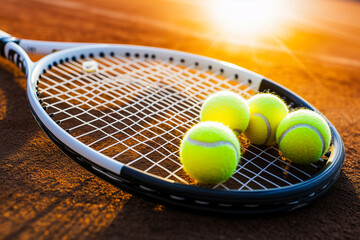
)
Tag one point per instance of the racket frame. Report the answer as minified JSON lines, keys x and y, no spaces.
{"x":153,"y":187}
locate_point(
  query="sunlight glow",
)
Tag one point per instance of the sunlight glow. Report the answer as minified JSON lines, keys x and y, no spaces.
{"x":246,"y":17}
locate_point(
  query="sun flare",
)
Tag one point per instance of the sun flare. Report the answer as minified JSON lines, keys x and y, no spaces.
{"x":246,"y":17}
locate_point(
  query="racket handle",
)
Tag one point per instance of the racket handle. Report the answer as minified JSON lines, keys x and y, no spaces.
{"x":10,"y":49}
{"x":4,"y":34}
{"x":4,"y":39}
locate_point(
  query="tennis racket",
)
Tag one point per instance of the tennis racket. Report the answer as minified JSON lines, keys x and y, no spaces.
{"x":125,"y":120}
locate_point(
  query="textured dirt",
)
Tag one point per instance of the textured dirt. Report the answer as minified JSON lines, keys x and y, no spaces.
{"x":45,"y":195}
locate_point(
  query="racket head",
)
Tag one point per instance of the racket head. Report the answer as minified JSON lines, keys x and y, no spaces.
{"x":164,"y":74}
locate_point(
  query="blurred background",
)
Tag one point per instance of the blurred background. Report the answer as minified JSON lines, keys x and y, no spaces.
{"x":311,"y":47}
{"x":279,"y":39}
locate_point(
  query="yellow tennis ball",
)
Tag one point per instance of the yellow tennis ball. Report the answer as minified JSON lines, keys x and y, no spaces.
{"x":303,"y":136}
{"x":228,"y":108}
{"x":210,"y":152}
{"x":266,"y":112}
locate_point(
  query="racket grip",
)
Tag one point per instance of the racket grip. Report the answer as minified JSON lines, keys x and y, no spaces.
{"x":10,"y":49}
{"x":4,"y":34}
{"x":5,"y":38}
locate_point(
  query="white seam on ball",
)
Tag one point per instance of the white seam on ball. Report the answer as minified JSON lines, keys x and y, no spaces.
{"x":308,"y":126}
{"x":267,"y":126}
{"x":213,"y":144}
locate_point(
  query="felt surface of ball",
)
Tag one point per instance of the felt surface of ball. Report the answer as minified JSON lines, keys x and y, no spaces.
{"x":210,"y":152}
{"x":266,"y":112}
{"x":228,"y":108}
{"x":303,"y":136}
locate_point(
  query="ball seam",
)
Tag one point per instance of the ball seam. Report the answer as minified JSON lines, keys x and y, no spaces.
{"x":308,"y":126}
{"x":267,"y":126}
{"x":213,"y":144}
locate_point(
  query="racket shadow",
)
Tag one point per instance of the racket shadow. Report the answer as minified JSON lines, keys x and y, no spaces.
{"x":17,"y":119}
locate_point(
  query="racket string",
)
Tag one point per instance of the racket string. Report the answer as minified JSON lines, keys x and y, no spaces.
{"x":137,"y":110}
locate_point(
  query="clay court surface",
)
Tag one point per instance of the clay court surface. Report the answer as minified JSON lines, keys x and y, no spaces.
{"x":45,"y":195}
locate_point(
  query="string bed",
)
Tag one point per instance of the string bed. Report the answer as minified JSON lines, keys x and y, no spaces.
{"x":136,"y":111}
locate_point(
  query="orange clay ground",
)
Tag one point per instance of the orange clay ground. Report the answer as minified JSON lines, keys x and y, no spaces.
{"x":45,"y":195}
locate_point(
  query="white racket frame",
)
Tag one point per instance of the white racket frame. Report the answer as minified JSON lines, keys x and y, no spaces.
{"x":147,"y":185}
